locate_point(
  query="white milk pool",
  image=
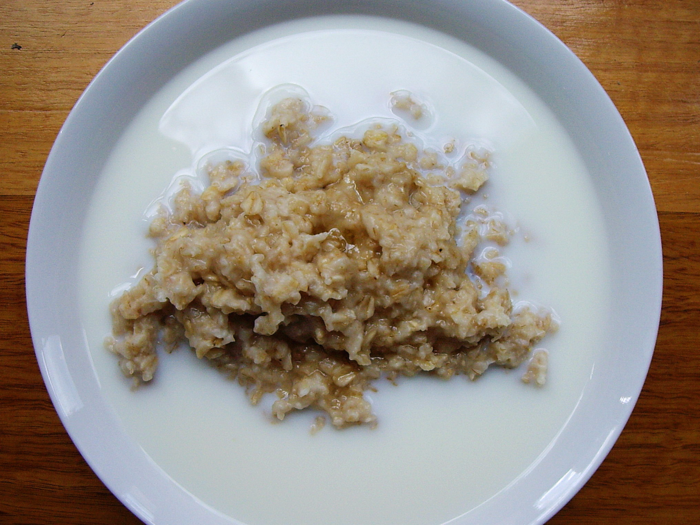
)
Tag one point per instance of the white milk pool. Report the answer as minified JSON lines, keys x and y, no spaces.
{"x":441,"y":448}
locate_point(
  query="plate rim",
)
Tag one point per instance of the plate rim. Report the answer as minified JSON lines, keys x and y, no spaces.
{"x":500,"y":8}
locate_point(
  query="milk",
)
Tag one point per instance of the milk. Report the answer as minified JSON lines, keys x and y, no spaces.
{"x":441,"y":448}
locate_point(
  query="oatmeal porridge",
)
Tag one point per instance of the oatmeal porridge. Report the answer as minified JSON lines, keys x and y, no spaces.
{"x":329,"y":267}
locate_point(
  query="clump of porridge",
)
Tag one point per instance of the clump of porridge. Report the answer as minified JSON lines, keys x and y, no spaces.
{"x":336,"y":265}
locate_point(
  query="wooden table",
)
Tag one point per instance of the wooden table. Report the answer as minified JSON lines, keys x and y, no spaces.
{"x":645,"y":53}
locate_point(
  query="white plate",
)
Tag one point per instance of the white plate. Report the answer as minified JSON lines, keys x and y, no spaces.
{"x":80,"y":389}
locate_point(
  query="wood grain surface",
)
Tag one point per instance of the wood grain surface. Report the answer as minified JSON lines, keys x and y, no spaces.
{"x":645,"y":53}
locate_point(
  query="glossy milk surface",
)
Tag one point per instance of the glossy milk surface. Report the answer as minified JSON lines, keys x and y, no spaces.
{"x":441,"y":448}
